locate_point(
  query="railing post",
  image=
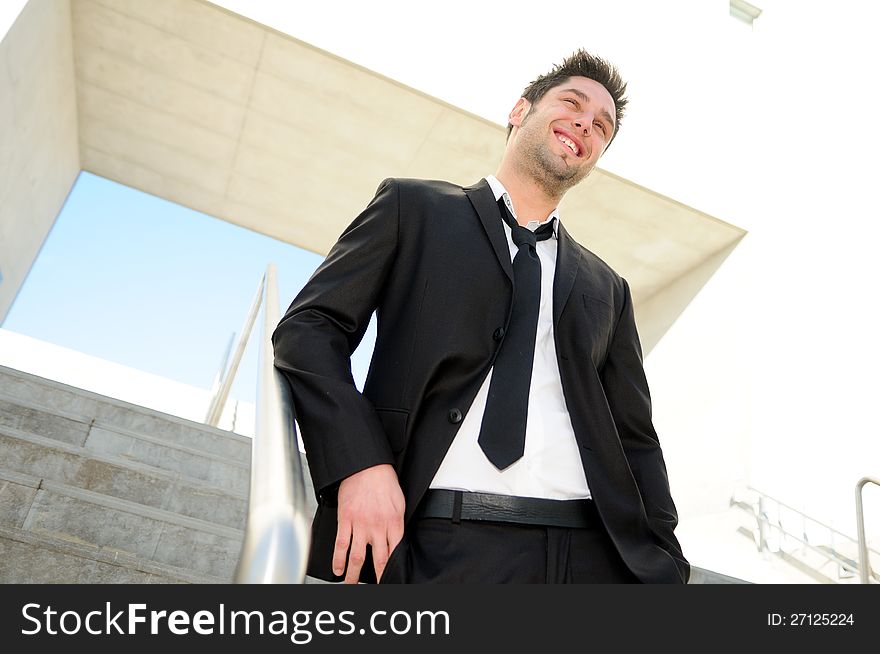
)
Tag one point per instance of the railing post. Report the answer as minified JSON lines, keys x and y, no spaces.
{"x":864,"y":562}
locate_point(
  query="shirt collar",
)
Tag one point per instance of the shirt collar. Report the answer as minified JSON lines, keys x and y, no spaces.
{"x":499,"y":191}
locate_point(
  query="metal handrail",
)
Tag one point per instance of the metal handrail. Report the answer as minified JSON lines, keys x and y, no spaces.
{"x":802,"y":514}
{"x":218,"y":378}
{"x":860,"y":520}
{"x":218,"y":401}
{"x":832,"y":556}
{"x":276,"y":540}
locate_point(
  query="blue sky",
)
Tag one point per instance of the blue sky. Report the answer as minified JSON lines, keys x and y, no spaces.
{"x":147,"y":283}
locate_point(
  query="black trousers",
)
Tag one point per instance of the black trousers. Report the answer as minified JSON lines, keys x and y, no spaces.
{"x":438,"y":550}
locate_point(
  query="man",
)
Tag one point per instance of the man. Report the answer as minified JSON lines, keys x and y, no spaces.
{"x":504,"y":433}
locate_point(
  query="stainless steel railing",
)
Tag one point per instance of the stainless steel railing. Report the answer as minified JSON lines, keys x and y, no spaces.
{"x":276,"y":541}
{"x":227,"y":375}
{"x":864,"y":561}
{"x":830,"y":554}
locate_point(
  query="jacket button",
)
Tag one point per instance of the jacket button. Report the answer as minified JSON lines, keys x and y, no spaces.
{"x":454,"y":416}
{"x":498,"y":334}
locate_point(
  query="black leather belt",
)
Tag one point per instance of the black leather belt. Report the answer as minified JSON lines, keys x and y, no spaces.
{"x":459,"y":505}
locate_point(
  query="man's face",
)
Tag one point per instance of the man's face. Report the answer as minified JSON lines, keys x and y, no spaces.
{"x":559,"y":139}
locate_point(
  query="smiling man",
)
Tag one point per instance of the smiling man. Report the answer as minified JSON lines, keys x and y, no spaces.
{"x":504,"y":433}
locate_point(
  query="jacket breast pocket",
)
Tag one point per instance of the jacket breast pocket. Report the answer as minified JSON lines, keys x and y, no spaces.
{"x":394,"y":423}
{"x":599,"y":327}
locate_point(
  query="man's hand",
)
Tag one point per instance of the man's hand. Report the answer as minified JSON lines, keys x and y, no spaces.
{"x":371,"y":507}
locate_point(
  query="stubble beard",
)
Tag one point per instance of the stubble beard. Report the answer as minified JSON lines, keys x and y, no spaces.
{"x":547,"y":168}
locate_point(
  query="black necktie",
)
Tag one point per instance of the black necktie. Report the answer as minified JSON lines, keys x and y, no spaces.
{"x":503,"y":432}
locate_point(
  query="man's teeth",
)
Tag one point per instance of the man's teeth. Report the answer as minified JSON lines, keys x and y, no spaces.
{"x":568,"y":142}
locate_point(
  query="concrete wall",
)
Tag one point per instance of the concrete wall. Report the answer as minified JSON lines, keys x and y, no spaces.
{"x":39,"y":143}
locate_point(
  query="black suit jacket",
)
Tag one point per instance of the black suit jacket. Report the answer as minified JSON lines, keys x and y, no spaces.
{"x":432,"y":259}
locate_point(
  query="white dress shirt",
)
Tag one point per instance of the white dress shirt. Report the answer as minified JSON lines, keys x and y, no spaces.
{"x":551,"y":465}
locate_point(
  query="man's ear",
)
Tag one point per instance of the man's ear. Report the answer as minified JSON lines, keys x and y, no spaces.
{"x":519,"y":111}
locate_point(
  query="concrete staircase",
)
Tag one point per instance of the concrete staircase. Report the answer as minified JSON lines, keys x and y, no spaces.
{"x":96,"y":490}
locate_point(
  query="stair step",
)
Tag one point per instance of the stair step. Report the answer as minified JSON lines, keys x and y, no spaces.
{"x":24,"y":417}
{"x":92,"y":519}
{"x":121,"y":478}
{"x":30,"y":558}
{"x":21,"y":416}
{"x":214,"y":469}
{"x":84,"y":406}
{"x":17,"y":493}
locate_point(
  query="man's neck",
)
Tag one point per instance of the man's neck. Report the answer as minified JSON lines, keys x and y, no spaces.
{"x":530,"y":201}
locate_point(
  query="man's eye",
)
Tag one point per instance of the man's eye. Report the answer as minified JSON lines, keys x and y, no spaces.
{"x":602,"y":127}
{"x":574,"y":102}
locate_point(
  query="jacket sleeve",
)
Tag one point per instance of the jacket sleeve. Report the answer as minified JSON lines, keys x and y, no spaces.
{"x":314,"y":341}
{"x":626,"y":387}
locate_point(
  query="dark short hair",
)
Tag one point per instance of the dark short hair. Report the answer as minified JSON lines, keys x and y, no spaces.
{"x":581,"y":64}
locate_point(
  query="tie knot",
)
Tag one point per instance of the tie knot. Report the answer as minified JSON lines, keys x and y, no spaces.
{"x":522,"y":236}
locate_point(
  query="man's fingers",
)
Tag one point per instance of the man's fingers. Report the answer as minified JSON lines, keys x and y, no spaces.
{"x":389,"y":543}
{"x":371,"y":508}
{"x":356,"y":557}
{"x":340,"y":552}
{"x":380,"y":555}
{"x":395,"y":534}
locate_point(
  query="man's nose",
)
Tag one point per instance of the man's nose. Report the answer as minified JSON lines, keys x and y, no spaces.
{"x":585,"y":123}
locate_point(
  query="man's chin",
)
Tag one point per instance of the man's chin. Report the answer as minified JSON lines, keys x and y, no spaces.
{"x":553,"y":173}
{"x":565,"y":175}
{"x":557,"y":168}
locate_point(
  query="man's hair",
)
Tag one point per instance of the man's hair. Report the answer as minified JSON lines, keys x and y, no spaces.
{"x":581,"y":64}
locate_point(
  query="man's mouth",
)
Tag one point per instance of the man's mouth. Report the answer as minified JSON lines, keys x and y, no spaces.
{"x":571,"y":145}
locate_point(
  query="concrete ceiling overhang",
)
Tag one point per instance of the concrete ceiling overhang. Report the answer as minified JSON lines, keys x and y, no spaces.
{"x":189,"y":102}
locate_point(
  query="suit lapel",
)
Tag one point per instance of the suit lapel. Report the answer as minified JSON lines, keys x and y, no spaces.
{"x":568,"y":262}
{"x":483,"y":201}
{"x":568,"y":256}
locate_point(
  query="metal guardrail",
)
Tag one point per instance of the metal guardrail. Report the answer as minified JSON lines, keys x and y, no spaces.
{"x":277,"y":533}
{"x":864,"y":562}
{"x":227,"y":375}
{"x":830,"y":554}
